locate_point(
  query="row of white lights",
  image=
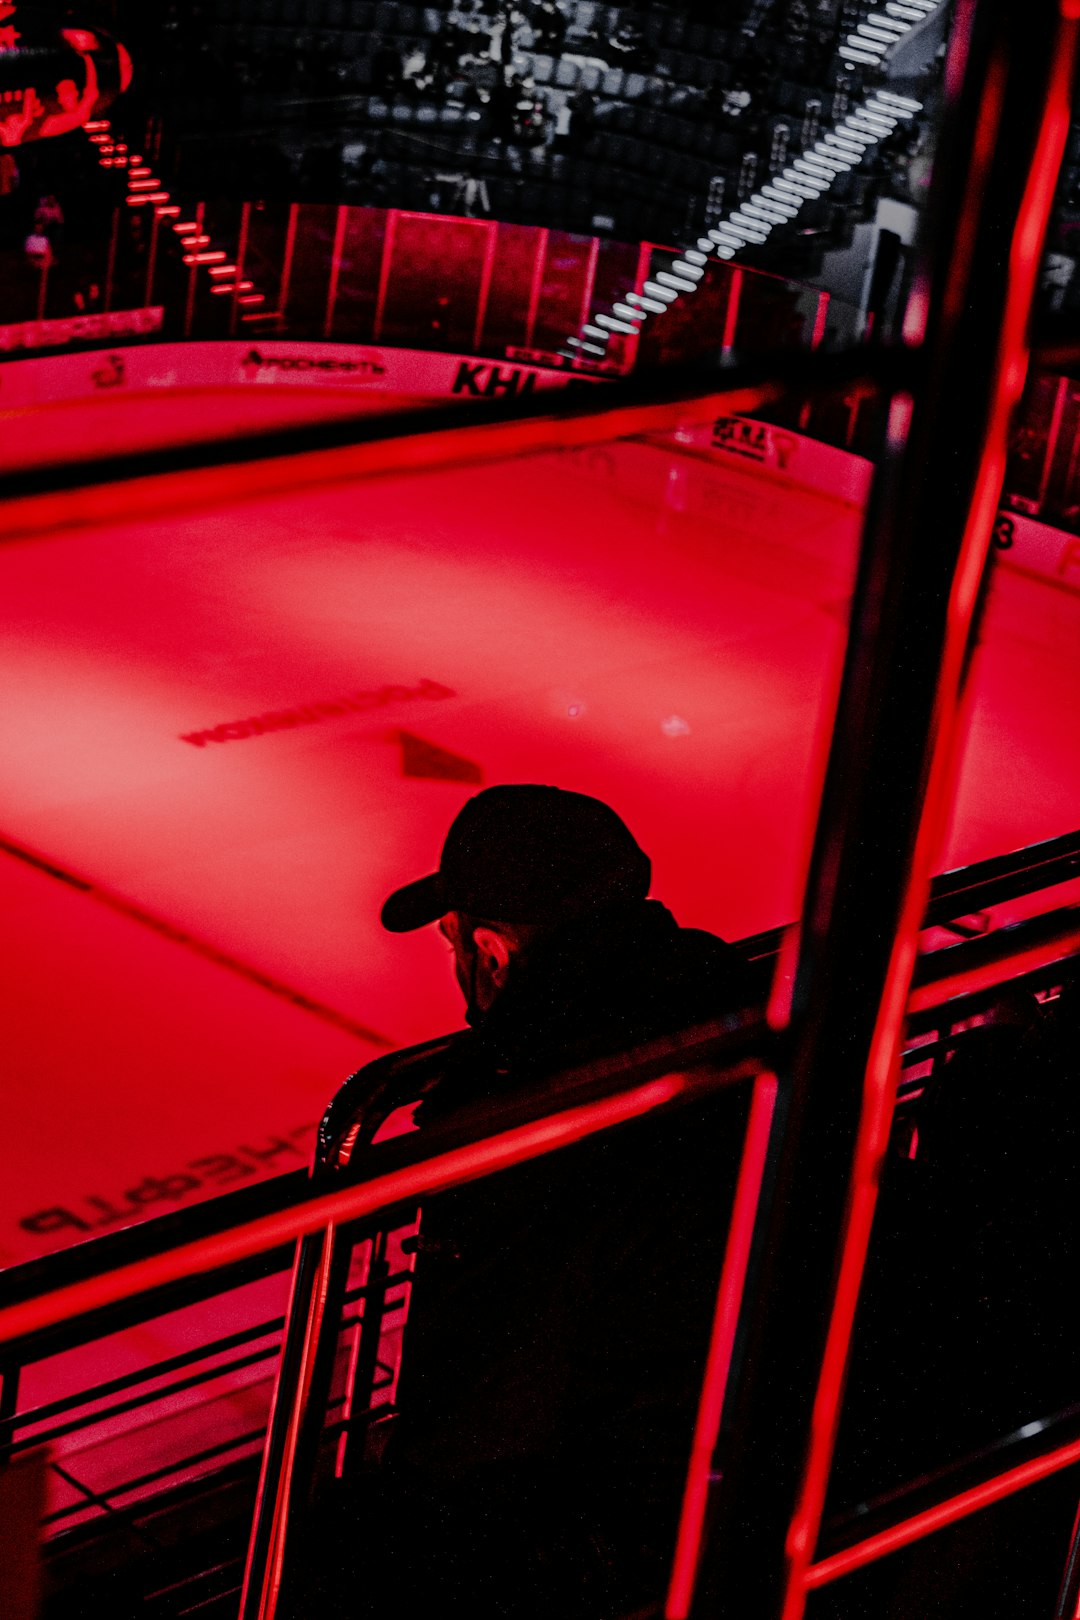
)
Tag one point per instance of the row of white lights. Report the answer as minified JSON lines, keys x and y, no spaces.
{"x":146,"y":191}
{"x":781,"y":198}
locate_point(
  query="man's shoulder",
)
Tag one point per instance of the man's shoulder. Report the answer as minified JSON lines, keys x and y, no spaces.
{"x":694,"y":957}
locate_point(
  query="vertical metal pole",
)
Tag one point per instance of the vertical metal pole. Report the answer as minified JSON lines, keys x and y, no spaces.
{"x":335,"y":268}
{"x":1007,"y":96}
{"x":43,"y":289}
{"x":303,"y":1337}
{"x":817,"y":337}
{"x":287,"y":259}
{"x":821,"y":316}
{"x":384,"y":271}
{"x":241,"y":255}
{"x":590,"y":281}
{"x":731,"y":314}
{"x":9,"y":1397}
{"x":189,"y":306}
{"x":110,"y":263}
{"x":537,"y":283}
{"x":151,"y":261}
{"x":1060,"y":396}
{"x":485,"y":283}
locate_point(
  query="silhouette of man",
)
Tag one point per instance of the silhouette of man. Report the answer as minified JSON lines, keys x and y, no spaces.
{"x":560,"y":1312}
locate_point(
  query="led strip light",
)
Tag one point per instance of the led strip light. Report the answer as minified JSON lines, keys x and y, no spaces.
{"x":781,"y":198}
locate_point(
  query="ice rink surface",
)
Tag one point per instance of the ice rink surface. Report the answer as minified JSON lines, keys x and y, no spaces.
{"x":228,"y":735}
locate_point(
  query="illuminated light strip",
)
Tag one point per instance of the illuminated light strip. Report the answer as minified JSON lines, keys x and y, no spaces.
{"x":902,"y":103}
{"x":231,"y":287}
{"x":768,"y":212}
{"x":613,"y":324}
{"x":213,"y":256}
{"x":936,"y":1518}
{"x":827,"y":160}
{"x":803,"y":186}
{"x":876,"y":125}
{"x":667,"y":279}
{"x":254,"y":298}
{"x":148,"y":197}
{"x":223,"y":270}
{"x":866,"y":30}
{"x":778,"y":200}
{"x":653,"y":305}
{"x":167,"y":212}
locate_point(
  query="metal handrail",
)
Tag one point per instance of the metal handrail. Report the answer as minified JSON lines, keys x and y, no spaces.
{"x":1034,"y":1441}
{"x":664,"y":1073}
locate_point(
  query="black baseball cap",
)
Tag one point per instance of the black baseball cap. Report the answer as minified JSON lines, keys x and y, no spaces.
{"x":525,"y":853}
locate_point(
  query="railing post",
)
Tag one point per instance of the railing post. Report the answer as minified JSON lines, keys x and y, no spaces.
{"x":1007,"y":87}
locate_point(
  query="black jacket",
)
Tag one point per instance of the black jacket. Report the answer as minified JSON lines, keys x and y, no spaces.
{"x":592,"y":989}
{"x":561,"y":1310}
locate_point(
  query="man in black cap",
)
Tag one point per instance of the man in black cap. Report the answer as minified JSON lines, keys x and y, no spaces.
{"x":542,"y":895}
{"x":560,"y":1312}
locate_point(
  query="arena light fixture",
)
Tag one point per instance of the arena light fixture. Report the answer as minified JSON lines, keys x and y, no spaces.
{"x":613,"y":324}
{"x":806,"y":182}
{"x":763,"y":209}
{"x":676,"y":283}
{"x":653,"y":305}
{"x":752,"y":229}
{"x":778,"y":200}
{"x":866,"y":30}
